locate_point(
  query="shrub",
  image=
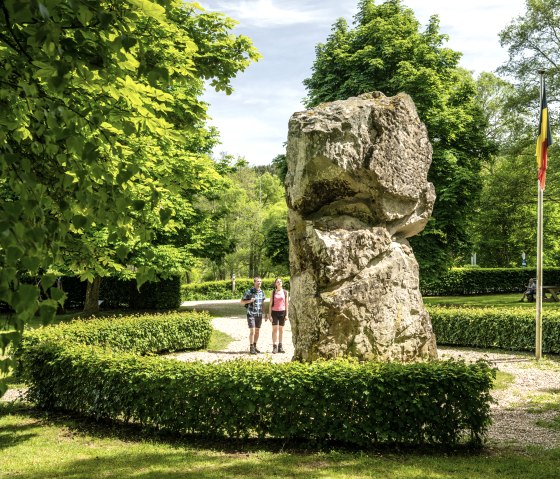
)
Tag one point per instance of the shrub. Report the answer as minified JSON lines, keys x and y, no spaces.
{"x":222,"y":289}
{"x":360,"y":404}
{"x":506,"y":328}
{"x":162,"y":294}
{"x":140,"y":334}
{"x":75,"y":369}
{"x":123,"y":293}
{"x":463,"y":281}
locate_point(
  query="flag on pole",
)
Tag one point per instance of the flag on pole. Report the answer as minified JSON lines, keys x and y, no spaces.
{"x":544,"y":140}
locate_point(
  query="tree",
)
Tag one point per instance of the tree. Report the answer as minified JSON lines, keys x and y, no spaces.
{"x":505,"y":217}
{"x":259,"y":204}
{"x":507,"y":124}
{"x":501,"y":210}
{"x":281,"y":166}
{"x":505,"y":222}
{"x":533,"y":43}
{"x":250,"y":214}
{"x":102,"y":126}
{"x":386,"y":51}
{"x":276,"y":246}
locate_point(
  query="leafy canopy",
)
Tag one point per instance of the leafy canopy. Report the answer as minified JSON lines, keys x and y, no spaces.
{"x":387,"y":51}
{"x":533,"y":43}
{"x":248,"y":219}
{"x":504,"y":225}
{"x":101,"y":124}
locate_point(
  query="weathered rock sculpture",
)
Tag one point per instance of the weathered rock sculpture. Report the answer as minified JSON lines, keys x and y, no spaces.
{"x":357,"y":188}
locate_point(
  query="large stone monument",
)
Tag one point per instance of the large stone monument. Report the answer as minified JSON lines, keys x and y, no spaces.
{"x":357,"y":188}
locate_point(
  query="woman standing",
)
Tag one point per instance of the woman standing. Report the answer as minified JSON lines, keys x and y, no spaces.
{"x":278,"y":312}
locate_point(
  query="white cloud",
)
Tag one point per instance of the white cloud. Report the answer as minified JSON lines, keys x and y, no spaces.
{"x":253,"y":121}
{"x":268,"y":13}
{"x":252,"y":137}
{"x":472,"y":27}
{"x":254,"y":124}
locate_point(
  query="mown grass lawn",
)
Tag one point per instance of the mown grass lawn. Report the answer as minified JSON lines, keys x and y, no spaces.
{"x":38,"y":446}
{"x":485,"y":300}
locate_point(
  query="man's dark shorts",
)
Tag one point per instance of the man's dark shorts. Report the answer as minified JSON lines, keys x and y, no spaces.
{"x":254,"y":321}
{"x":278,"y":318}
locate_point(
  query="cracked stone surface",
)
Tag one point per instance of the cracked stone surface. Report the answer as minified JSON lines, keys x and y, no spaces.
{"x":357,"y":189}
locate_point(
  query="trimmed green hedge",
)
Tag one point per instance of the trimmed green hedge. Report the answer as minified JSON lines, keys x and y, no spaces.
{"x":361,"y":404}
{"x":86,"y":371}
{"x":123,"y":293}
{"x":140,"y":334}
{"x":222,"y":289}
{"x":464,"y":281}
{"x":505,"y":328}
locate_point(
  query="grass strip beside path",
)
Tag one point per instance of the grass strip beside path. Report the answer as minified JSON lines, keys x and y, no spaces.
{"x":36,"y":446}
{"x":486,"y":300}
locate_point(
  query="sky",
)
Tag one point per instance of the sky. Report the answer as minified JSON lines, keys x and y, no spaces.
{"x":253,"y":120}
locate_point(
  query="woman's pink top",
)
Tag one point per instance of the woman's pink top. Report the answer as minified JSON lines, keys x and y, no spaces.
{"x":279,"y":300}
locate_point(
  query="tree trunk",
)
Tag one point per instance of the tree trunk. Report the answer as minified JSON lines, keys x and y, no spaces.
{"x":60,"y":309}
{"x":251,"y":261}
{"x":91,"y":305}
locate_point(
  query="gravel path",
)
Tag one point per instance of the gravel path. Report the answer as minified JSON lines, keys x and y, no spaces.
{"x":514,"y":413}
{"x":236,"y":327}
{"x":513,"y":423}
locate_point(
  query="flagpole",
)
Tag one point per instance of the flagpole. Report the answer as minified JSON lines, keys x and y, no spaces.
{"x":538,"y":321}
{"x":538,"y":329}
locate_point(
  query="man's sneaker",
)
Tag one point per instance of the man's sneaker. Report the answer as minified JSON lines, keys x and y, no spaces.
{"x":274,"y":348}
{"x":280,"y":348}
{"x":252,"y":349}
{"x":256,"y":350}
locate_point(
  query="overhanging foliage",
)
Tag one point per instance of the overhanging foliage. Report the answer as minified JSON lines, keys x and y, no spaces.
{"x":101,"y":133}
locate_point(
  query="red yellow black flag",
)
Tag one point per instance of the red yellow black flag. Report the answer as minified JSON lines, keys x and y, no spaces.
{"x":543,"y":141}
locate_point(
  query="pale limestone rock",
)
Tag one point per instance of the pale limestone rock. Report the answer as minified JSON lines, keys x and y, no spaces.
{"x":357,"y":188}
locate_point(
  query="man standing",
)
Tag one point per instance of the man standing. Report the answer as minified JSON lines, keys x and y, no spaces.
{"x":253,"y":300}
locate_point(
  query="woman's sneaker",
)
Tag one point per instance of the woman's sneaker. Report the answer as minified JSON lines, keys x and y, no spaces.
{"x":256,"y":350}
{"x":274,"y":348}
{"x":280,"y":348}
{"x":252,"y":349}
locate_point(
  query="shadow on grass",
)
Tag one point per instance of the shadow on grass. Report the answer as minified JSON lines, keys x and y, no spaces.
{"x":81,"y":448}
{"x":106,"y":429}
{"x":191,"y":464}
{"x":11,"y":436}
